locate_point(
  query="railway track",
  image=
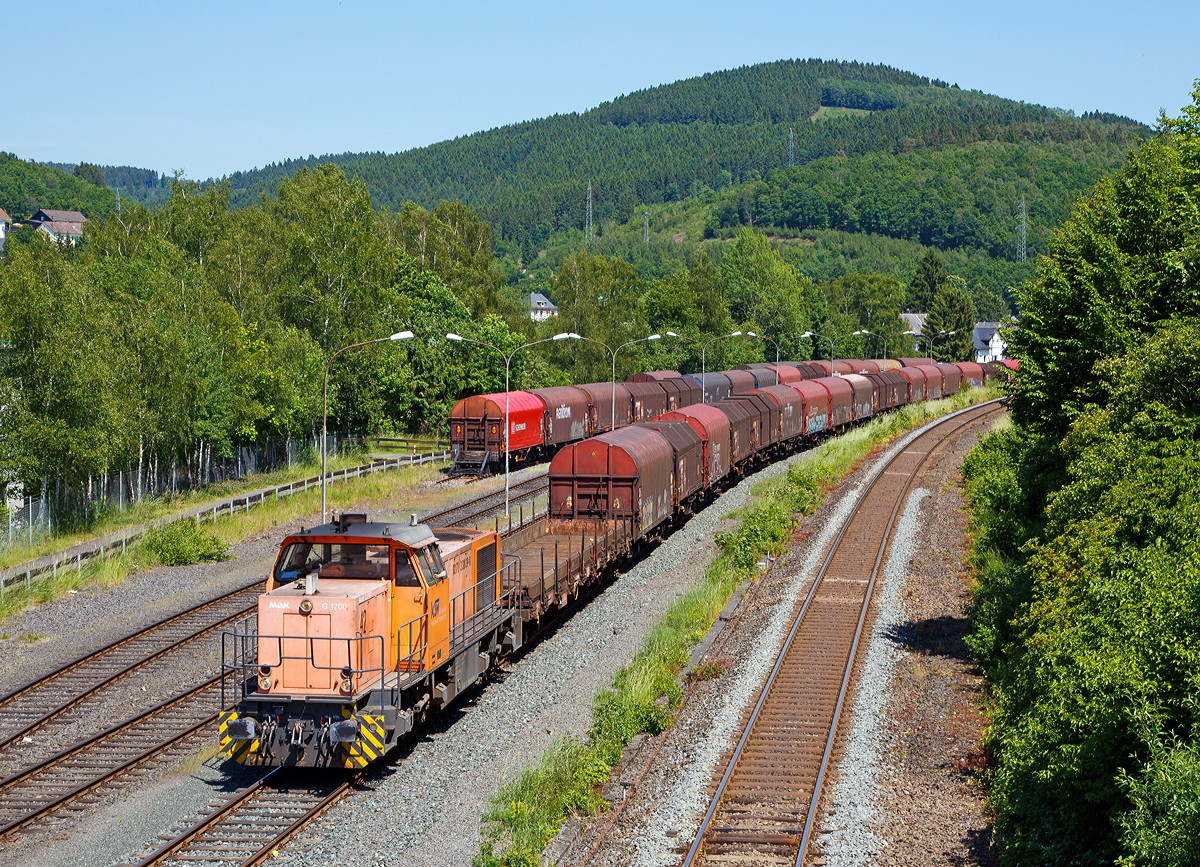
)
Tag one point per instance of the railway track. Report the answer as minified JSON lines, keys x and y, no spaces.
{"x":250,"y":826}
{"x":486,"y":505}
{"x":764,"y":806}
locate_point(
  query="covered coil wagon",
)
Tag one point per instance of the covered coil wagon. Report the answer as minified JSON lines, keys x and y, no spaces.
{"x":740,"y":381}
{"x":653,"y":376}
{"x":567,"y":410}
{"x":688,"y":448}
{"x":934,"y":380}
{"x":767,"y":412}
{"x":681,"y":391}
{"x":951,"y":379}
{"x":841,"y":400}
{"x":743,"y":430}
{"x":916,"y":383}
{"x":603,"y":397}
{"x":972,"y":373}
{"x":713,"y":427}
{"x":477,"y":423}
{"x":888,"y":363}
{"x":791,"y":410}
{"x":864,"y":396}
{"x":648,"y":399}
{"x":626,"y":473}
{"x":715,"y":386}
{"x":787,"y":373}
{"x":816,"y":405}
{"x":885,"y":391}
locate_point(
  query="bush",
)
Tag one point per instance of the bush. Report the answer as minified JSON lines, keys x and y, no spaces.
{"x":182,"y":543}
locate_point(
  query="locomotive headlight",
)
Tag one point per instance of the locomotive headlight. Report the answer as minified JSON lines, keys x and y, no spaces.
{"x":346,"y":685}
{"x":264,"y":684}
{"x":306,"y":606}
{"x":264,"y":670}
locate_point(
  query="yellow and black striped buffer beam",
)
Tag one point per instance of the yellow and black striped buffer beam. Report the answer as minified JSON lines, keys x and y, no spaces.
{"x":239,"y":750}
{"x":370,"y":743}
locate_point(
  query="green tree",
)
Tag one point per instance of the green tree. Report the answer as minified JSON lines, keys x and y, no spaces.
{"x":597,"y":298}
{"x":91,"y":173}
{"x":926,"y":281}
{"x":868,"y":302}
{"x":766,"y":294}
{"x":951,"y":312}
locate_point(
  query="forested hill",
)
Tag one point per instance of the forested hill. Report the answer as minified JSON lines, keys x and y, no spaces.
{"x":724,"y":130}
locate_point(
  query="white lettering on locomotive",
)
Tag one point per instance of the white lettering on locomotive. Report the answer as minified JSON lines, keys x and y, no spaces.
{"x":274,"y":604}
{"x":334,"y":606}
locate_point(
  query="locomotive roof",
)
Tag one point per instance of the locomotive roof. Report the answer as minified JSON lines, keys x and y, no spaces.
{"x":414,"y":536}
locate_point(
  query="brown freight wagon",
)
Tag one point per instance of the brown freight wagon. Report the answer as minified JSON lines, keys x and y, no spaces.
{"x":951,"y":379}
{"x":825,"y":365}
{"x":713,"y":427}
{"x":888,"y":364}
{"x":601,"y":397}
{"x":681,"y":391}
{"x":626,"y":473}
{"x":861,"y":365}
{"x":934,"y":380}
{"x":689,"y":457}
{"x":864,"y":396}
{"x":885,"y":391}
{"x":841,"y":400}
{"x":743,"y":430}
{"x":901,"y":383}
{"x":916,"y":383}
{"x":843,"y":367}
{"x":816,"y":406}
{"x":791,"y":410}
{"x":768,"y":417}
{"x":648,"y":398}
{"x":740,"y":381}
{"x":566,"y":414}
{"x":913,"y":362}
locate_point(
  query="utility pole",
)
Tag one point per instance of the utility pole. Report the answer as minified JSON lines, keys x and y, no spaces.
{"x":587,"y":231}
{"x":791,"y":147}
{"x":645,"y":227}
{"x":1021,"y":229}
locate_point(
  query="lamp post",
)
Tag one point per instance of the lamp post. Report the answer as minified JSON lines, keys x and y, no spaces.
{"x":458,"y":338}
{"x":764,"y":337}
{"x":873,"y":334}
{"x":704,"y":360}
{"x":940,"y":333}
{"x":613,"y":353}
{"x":823,"y":337}
{"x":399,"y":335}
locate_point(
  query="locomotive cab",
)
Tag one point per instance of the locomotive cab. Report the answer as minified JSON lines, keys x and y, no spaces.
{"x":361,"y":630}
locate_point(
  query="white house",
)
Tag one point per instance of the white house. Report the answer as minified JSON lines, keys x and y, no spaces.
{"x":989,"y":345}
{"x":5,"y":222}
{"x":540,"y":308}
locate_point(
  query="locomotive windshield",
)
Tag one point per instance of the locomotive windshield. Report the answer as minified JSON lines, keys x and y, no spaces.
{"x":336,"y":560}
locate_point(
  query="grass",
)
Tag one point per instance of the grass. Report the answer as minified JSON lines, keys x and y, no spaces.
{"x":529,"y":810}
{"x":826,"y":112}
{"x":392,"y":489}
{"x":148,"y":510}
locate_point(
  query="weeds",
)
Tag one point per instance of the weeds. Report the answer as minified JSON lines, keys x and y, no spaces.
{"x":182,"y":543}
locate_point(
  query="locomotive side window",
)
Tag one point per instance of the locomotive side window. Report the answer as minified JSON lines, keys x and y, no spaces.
{"x":406,"y":575}
{"x":431,"y":567}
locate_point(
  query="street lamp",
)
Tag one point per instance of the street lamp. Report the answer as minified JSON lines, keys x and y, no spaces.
{"x":458,"y":338}
{"x":764,"y":337}
{"x":873,"y":334}
{"x":832,"y":352}
{"x":613,"y":353}
{"x":399,"y":335}
{"x":704,"y":362}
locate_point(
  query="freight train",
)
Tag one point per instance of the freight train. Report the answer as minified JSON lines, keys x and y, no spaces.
{"x":364,"y":628}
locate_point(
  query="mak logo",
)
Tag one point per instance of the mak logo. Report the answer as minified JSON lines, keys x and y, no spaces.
{"x":274,"y":604}
{"x":562,"y":412}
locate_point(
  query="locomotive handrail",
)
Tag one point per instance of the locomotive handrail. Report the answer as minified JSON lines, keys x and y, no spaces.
{"x":478,"y":621}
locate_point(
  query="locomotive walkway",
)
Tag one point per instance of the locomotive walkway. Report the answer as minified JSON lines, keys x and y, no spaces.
{"x":76,"y":555}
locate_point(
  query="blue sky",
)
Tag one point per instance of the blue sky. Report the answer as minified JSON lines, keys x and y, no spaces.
{"x":211,"y":88}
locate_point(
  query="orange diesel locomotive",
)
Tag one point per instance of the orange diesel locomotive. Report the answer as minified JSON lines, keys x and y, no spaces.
{"x":362,"y":630}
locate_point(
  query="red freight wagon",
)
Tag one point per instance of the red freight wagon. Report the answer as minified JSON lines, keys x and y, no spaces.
{"x":626,"y":473}
{"x":743,"y":430}
{"x":713,"y":427}
{"x":648,"y":398}
{"x":916,"y":383}
{"x":951,"y":379}
{"x":566,"y":413}
{"x":740,"y":381}
{"x":826,"y":366}
{"x":791,"y":410}
{"x":689,"y":456}
{"x":934,"y":379}
{"x":477,"y":423}
{"x":971,"y":372}
{"x":1012,"y":364}
{"x":843,"y":367}
{"x":841,"y":400}
{"x":600,"y":395}
{"x":816,"y":406}
{"x":913,"y":362}
{"x":861,"y":365}
{"x":787,"y":374}
{"x":864,"y":396}
{"x":767,"y":411}
{"x":653,"y":376}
